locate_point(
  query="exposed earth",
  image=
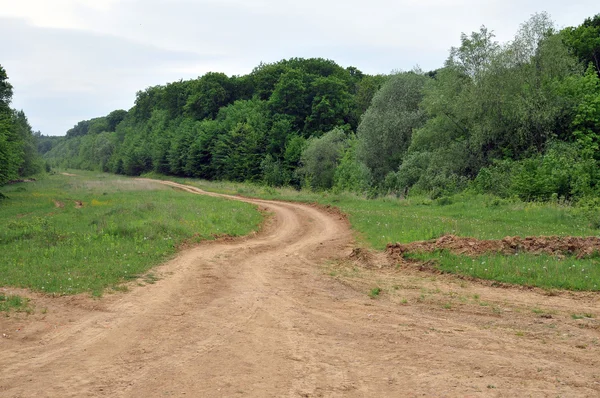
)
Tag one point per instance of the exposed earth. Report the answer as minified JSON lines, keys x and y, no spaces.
{"x":287,"y":312}
{"x":555,"y":245}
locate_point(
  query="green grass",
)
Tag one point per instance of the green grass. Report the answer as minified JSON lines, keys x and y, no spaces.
{"x":523,"y":269}
{"x":384,"y":220}
{"x":14,"y":303}
{"x":124,"y":228}
{"x":378,"y":222}
{"x":582,"y":316}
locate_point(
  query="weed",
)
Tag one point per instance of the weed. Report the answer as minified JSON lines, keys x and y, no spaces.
{"x":582,"y":316}
{"x":375,"y":292}
{"x":14,"y":303}
{"x":150,"y":278}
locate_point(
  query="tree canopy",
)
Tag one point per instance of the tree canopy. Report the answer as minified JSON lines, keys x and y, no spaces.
{"x":18,"y":152}
{"x":494,"y":117}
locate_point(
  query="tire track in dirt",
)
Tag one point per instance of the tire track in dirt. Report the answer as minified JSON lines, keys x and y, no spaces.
{"x":259,"y":317}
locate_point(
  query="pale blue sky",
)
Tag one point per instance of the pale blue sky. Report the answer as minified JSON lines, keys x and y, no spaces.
{"x":71,"y":60}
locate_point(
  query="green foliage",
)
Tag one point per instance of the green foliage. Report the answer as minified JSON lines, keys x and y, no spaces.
{"x":385,"y":131}
{"x":210,"y":92}
{"x":238,"y":150}
{"x":114,"y":118}
{"x":586,"y":113}
{"x":5,"y":90}
{"x":290,"y":97}
{"x":320,"y":159}
{"x":351,"y":175}
{"x":331,"y":103}
{"x":491,"y":118}
{"x":274,"y":172}
{"x":561,"y":172}
{"x":18,"y":154}
{"x":251,"y":127}
{"x":491,"y":102}
{"x":375,"y":292}
{"x":584,"y":41}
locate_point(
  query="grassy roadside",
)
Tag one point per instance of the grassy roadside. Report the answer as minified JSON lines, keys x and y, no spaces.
{"x":544,"y":271}
{"x":14,"y":303}
{"x":85,"y":233}
{"x":381,"y":221}
{"x":384,"y":220}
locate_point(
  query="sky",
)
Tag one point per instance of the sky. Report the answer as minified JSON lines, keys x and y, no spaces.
{"x":72,"y":60}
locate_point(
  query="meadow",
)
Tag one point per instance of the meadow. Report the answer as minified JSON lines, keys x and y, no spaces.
{"x":91,"y":232}
{"x":380,"y":221}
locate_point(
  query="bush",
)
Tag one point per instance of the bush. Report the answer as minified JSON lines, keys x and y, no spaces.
{"x":561,"y":172}
{"x":351,"y":175}
{"x":320,"y":159}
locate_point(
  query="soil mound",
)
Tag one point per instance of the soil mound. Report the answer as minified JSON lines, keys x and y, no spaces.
{"x":555,"y":245}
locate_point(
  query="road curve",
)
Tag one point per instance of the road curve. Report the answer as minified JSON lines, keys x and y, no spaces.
{"x":258,"y":317}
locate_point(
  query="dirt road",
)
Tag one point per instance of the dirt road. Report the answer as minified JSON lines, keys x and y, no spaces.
{"x":286,"y":313}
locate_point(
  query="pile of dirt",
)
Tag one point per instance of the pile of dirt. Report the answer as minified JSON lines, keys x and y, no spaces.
{"x":329,"y":209}
{"x":370,"y":258}
{"x":555,"y":245}
{"x":20,"y":180}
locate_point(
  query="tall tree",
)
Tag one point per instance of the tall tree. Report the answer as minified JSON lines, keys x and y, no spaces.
{"x":10,"y":144}
{"x":584,"y":41}
{"x":385,"y":131}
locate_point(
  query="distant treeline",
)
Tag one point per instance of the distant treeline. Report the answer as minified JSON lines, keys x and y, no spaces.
{"x":18,"y":152}
{"x":519,"y":118}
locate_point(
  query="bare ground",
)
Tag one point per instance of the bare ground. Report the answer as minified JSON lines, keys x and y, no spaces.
{"x":554,"y":245}
{"x":286,"y":313}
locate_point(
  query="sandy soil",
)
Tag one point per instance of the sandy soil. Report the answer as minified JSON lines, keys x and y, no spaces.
{"x":554,"y":245}
{"x":287,"y":313}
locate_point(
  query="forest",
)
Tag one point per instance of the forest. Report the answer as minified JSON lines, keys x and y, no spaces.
{"x":18,"y":150}
{"x":515,"y":119}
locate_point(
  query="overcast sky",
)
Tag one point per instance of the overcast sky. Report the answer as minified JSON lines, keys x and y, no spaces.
{"x":71,"y":60}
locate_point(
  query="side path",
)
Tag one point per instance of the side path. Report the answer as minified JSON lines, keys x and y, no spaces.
{"x":260,"y":317}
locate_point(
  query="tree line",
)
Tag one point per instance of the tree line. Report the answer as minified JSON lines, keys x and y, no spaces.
{"x":519,"y":118}
{"x":18,"y":152}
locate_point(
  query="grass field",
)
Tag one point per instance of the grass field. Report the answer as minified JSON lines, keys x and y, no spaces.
{"x":542,"y":270}
{"x":384,"y":220}
{"x":85,"y":233}
{"x":123,"y":227}
{"x":378,"y":222}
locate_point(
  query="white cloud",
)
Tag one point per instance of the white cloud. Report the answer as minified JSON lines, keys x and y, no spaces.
{"x":101,"y":51}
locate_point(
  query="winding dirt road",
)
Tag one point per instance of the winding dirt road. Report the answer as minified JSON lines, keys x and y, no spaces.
{"x":285,"y":313}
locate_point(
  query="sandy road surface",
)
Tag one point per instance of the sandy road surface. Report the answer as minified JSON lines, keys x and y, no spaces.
{"x":272,"y":315}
